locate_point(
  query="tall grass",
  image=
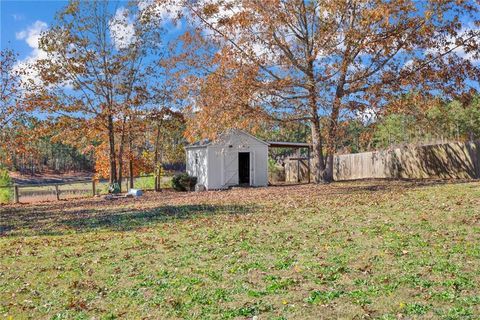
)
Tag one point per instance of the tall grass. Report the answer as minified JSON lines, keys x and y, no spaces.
{"x":6,"y":194}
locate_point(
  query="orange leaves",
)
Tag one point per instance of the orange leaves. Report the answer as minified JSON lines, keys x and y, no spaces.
{"x":11,"y":104}
{"x":210,"y":9}
{"x":141,"y":162}
{"x":226,"y":100}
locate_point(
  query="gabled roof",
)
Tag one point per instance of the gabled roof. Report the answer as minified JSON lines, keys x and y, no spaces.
{"x":247,"y":134}
{"x":199,"y":144}
{"x":206,"y":142}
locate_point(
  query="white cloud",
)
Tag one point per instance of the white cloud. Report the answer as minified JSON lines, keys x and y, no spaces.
{"x":21,"y":35}
{"x":471,"y":32}
{"x":31,"y":35}
{"x":167,"y":11}
{"x":367,"y":116}
{"x":18,"y":17}
{"x":122,"y":30}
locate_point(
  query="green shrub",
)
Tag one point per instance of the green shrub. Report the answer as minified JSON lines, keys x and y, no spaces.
{"x":183,"y":182}
{"x":114,"y":188}
{"x":276,"y":173}
{"x":6,"y":194}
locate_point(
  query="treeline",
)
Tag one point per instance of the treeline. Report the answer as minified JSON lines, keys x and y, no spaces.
{"x":32,"y":146}
{"x":28,"y":148}
{"x":46,"y":156}
{"x":411,"y":120}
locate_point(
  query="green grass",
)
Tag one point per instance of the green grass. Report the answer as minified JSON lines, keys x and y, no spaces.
{"x":382,"y":250}
{"x":6,"y":195}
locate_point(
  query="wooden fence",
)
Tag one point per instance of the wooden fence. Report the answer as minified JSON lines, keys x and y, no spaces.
{"x":454,"y":160}
{"x":72,"y":189}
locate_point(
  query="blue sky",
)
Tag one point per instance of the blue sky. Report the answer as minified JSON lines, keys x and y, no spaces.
{"x":21,"y":20}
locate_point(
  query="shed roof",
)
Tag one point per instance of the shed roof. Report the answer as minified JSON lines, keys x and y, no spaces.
{"x":273,"y":144}
{"x":284,"y":144}
{"x":206,"y":142}
{"x":199,"y":144}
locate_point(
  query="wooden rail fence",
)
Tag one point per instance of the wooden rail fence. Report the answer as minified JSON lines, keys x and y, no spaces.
{"x":83,"y":187}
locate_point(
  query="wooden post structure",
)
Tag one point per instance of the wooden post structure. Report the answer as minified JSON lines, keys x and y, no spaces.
{"x":93,"y":188}
{"x":57,"y":192}
{"x":309,"y":165}
{"x":15,"y":194}
{"x":298,"y":170}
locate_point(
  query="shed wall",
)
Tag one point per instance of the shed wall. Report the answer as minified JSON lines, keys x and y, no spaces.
{"x":197,"y":162}
{"x":223,"y":161}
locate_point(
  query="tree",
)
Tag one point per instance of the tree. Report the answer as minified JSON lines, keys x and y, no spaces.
{"x":165,"y":139}
{"x":100,"y":71}
{"x":10,"y":93}
{"x":331,"y":59}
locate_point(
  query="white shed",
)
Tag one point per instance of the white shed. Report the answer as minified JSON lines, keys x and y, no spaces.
{"x":235,"y":158}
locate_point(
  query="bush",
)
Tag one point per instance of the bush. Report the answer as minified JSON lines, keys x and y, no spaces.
{"x":184,"y":182}
{"x":6,"y":194}
{"x":276,"y":173}
{"x":114,"y":188}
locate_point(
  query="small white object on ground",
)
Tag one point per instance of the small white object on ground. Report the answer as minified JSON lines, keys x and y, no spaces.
{"x":135,"y":192}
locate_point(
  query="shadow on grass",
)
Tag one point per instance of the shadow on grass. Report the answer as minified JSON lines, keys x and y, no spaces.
{"x":48,"y":222}
{"x":373,"y":185}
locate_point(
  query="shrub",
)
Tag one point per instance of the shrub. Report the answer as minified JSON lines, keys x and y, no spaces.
{"x":5,"y":180}
{"x":184,"y":182}
{"x":276,"y":173}
{"x":114,"y":188}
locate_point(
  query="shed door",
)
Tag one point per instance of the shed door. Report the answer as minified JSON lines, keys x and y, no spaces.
{"x":244,"y":167}
{"x":230,"y":168}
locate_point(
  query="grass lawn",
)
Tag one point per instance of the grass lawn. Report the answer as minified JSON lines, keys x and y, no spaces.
{"x":369,"y":249}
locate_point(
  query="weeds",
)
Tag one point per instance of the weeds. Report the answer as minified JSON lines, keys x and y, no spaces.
{"x":346,"y":250}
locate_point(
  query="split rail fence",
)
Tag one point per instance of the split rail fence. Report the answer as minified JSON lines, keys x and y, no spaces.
{"x":37,"y":192}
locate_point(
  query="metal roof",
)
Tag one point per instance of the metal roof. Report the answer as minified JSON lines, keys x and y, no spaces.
{"x":199,"y":144}
{"x":207,"y":142}
{"x":272,"y":144}
{"x":284,"y":144}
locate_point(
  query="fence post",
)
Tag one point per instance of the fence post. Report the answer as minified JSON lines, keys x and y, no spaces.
{"x":57,"y":192}
{"x":15,"y":194}
{"x":93,"y":188}
{"x":309,"y":165}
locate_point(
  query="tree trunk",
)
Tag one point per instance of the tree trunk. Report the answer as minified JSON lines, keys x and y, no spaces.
{"x":159,"y":177}
{"x":318,"y":162}
{"x":130,"y":163}
{"x":120,"y":170}
{"x":113,"y":162}
{"x":130,"y":160}
{"x":332,"y":137}
{"x":156,"y":160}
{"x":130,"y":172}
{"x":120,"y":155}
